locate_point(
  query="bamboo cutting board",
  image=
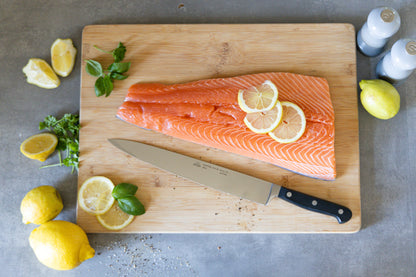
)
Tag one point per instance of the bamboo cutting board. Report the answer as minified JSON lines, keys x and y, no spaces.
{"x":183,"y":53}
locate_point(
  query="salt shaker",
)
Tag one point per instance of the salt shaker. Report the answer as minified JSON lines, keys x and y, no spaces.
{"x":399,"y":62}
{"x":382,"y":23}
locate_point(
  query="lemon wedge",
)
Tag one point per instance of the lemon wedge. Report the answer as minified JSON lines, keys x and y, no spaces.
{"x":63,"y":55}
{"x":94,"y":195}
{"x":41,"y":74}
{"x":292,"y":126}
{"x":39,"y":147}
{"x":115,"y":218}
{"x":264,"y":122}
{"x":258,"y":98}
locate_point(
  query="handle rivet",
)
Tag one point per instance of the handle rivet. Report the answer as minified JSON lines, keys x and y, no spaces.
{"x":289,"y":194}
{"x":340,"y":211}
{"x":314,"y":202}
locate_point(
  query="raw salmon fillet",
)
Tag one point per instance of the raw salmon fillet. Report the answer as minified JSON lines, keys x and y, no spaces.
{"x":207,"y":112}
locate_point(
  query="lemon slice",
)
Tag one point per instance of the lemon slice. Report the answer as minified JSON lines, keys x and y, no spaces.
{"x":41,"y":74}
{"x":258,"y":98}
{"x":63,"y":55}
{"x":94,"y":196}
{"x":292,"y":126}
{"x":115,"y":218}
{"x":39,"y":147}
{"x":264,"y":122}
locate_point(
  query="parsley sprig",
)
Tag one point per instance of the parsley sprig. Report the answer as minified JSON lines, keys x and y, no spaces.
{"x":67,"y":131}
{"x":104,"y":83}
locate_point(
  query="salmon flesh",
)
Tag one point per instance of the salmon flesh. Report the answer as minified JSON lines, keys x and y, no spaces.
{"x":207,"y":112}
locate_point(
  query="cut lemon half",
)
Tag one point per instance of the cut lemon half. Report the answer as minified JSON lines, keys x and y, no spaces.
{"x":94,"y":196}
{"x":264,"y":122}
{"x":292,"y":126}
{"x":115,"y":218}
{"x":39,"y":147}
{"x":63,"y":55}
{"x":258,"y":98}
{"x":41,"y":74}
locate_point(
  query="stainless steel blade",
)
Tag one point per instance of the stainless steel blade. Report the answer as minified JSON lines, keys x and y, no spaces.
{"x":204,"y":173}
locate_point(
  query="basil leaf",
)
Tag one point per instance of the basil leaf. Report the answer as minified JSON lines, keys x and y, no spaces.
{"x":103,"y":86}
{"x":94,"y":68}
{"x":99,"y":87}
{"x":119,"y":52}
{"x":119,"y":67}
{"x":124,"y":190}
{"x":118,"y":76}
{"x":108,"y":84}
{"x":131,"y":205}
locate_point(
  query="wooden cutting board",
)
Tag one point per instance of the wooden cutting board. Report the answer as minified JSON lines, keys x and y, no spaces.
{"x":182,"y":53}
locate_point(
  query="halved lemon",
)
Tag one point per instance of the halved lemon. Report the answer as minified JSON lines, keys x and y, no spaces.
{"x":292,"y":126}
{"x":63,"y":55}
{"x":94,"y":196}
{"x":115,"y":218}
{"x":258,"y":98}
{"x":39,"y":147}
{"x":41,"y":74}
{"x":264,"y":122}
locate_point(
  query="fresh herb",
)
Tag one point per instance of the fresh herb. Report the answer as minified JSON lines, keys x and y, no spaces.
{"x":124,"y":190}
{"x":67,"y":131}
{"x":94,"y":68}
{"x":131,"y":205}
{"x":104,"y":83}
{"x":118,"y":53}
{"x":103,"y":86}
{"x":124,"y":193}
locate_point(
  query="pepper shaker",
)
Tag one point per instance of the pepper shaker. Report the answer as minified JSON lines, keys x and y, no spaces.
{"x":399,"y":62}
{"x":382,"y":23}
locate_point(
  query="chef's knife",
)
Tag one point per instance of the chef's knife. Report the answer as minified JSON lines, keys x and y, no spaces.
{"x":227,"y":180}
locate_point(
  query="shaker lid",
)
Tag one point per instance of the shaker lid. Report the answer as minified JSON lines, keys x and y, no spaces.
{"x":387,"y":15}
{"x":411,"y":48}
{"x":383,"y":22}
{"x":403,"y":53}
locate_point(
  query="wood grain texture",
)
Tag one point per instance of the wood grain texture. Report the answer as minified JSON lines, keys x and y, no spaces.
{"x":182,"y":53}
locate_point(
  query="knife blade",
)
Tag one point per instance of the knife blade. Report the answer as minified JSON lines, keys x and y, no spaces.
{"x":227,"y":180}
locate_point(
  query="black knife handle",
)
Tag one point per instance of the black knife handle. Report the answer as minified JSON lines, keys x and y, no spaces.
{"x":315,"y":204}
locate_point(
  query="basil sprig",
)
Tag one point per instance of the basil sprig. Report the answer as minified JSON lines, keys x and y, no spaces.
{"x":124,"y":193}
{"x":104,"y":83}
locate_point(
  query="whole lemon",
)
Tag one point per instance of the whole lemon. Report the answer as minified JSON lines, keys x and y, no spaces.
{"x":40,"y":205}
{"x":60,"y":245}
{"x":380,"y":98}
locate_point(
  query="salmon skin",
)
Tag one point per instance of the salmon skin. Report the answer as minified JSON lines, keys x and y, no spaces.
{"x":207,"y":112}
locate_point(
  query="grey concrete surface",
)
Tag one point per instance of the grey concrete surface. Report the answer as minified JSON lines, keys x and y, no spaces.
{"x":386,"y":245}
